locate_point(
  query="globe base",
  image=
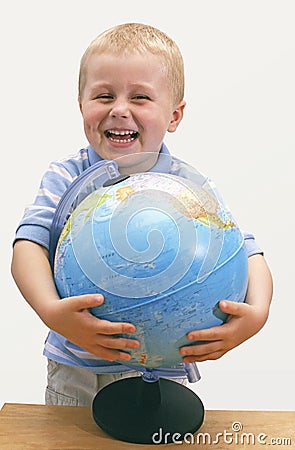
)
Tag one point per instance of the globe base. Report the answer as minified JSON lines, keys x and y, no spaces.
{"x":137,"y":411}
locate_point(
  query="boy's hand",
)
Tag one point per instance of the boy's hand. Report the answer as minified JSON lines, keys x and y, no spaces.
{"x":71,"y":318}
{"x":244,"y":321}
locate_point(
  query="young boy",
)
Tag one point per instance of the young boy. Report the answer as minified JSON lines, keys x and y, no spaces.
{"x":131,"y":92}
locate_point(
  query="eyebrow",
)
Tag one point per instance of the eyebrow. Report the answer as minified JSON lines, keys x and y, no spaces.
{"x":108,"y":85}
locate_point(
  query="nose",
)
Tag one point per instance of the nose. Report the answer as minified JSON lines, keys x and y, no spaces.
{"x":120,"y":108}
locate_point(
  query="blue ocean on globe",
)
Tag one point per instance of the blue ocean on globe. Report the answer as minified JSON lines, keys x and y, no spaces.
{"x":163,"y":251}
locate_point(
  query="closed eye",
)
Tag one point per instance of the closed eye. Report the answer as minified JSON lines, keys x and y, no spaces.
{"x":104,"y":97}
{"x":141,"y":97}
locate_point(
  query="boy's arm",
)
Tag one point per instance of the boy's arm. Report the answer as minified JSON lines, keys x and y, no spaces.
{"x":245,"y":320}
{"x":70,"y":316}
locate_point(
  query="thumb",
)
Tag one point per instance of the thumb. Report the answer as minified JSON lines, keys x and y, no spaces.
{"x":232,"y":308}
{"x":87,"y":301}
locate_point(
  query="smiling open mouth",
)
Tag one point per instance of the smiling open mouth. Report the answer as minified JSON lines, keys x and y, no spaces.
{"x":124,"y":136}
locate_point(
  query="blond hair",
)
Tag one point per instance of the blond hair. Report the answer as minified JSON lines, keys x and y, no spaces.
{"x":140,"y":38}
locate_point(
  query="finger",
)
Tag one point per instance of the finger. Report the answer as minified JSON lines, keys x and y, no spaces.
{"x":232,"y":308}
{"x":82,"y":302}
{"x":201,"y":349}
{"x":118,"y":343}
{"x":209,"y":334}
{"x":110,"y":354}
{"x":208,"y":357}
{"x":107,"y":327}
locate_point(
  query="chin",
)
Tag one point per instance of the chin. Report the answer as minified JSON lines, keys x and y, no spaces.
{"x":136,"y":162}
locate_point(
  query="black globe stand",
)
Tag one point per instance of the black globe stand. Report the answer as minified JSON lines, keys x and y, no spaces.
{"x":144,"y":412}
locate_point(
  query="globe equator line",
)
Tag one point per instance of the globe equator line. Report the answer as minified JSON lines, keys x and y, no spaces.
{"x":225,"y":261}
{"x":179,"y":289}
{"x":156,"y":299}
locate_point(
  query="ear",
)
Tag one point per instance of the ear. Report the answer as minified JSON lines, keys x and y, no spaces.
{"x":177,"y":116}
{"x":80,"y":104}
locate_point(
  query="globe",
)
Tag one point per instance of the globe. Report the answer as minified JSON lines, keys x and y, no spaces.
{"x":163,"y":251}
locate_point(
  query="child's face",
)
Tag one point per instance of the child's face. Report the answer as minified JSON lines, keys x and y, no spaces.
{"x":127,"y":106}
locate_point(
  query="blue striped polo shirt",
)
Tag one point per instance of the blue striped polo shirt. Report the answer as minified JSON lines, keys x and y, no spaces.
{"x":36,"y":224}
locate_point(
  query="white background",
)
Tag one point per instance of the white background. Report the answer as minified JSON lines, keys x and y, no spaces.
{"x":238,"y":129}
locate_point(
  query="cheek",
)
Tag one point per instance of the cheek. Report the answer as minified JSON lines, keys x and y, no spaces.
{"x":158,"y":128}
{"x":91,"y":116}
{"x":154,"y":121}
{"x":88,"y":117}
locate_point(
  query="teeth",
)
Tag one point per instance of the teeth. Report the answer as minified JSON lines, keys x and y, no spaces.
{"x":122,"y":140}
{"x":112,"y":134}
{"x":122,"y":133}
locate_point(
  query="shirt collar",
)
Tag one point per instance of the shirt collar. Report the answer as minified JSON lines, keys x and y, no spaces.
{"x":162,"y":165}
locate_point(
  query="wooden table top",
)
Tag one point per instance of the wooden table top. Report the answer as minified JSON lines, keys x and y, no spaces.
{"x":24,"y":427}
